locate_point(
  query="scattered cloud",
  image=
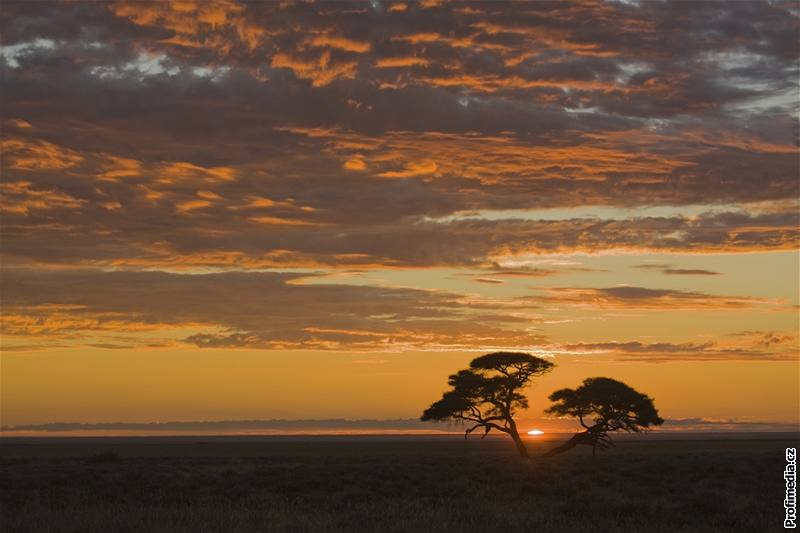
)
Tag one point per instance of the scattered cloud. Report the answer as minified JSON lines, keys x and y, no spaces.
{"x":670,"y":270}
{"x":147,"y":142}
{"x":785,"y":347}
{"x":489,"y":280}
{"x":708,"y":424}
{"x":256,"y":310}
{"x":628,"y":297}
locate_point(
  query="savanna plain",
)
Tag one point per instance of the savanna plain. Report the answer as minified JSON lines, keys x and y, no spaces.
{"x":390,"y":484}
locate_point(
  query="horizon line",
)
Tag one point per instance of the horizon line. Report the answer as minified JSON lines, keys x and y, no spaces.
{"x":324,"y":426}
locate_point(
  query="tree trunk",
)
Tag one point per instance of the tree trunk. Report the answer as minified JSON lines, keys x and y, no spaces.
{"x":512,"y":431}
{"x":571,"y":443}
{"x":592,"y":437}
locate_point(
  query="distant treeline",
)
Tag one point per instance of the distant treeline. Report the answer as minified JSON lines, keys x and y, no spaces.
{"x":275,"y":423}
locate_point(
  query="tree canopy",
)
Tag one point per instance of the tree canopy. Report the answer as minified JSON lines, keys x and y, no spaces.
{"x":608,"y":405}
{"x":488,"y":393}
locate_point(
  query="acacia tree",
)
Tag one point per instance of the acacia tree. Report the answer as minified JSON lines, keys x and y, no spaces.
{"x":488,"y":393}
{"x":609,"y":405}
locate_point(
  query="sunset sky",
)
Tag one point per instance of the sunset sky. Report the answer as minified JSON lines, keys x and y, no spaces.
{"x":222,"y":211}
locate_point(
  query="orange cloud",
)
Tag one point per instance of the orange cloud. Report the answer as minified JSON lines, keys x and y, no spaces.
{"x":111,"y":206}
{"x":659,"y":352}
{"x":309,"y":317}
{"x":277,"y":221}
{"x":341,"y":43}
{"x":190,"y":205}
{"x":494,"y":83}
{"x":172,"y":172}
{"x":114,"y":167}
{"x":20,"y":197}
{"x":402,"y":62}
{"x":321,"y":71}
{"x":355,"y":164}
{"x":628,"y":297}
{"x":218,"y":25}
{"x":209,"y":195}
{"x":415,"y":38}
{"x":498,"y":159}
{"x":23,"y":154}
{"x":412,"y":169}
{"x":18,"y":124}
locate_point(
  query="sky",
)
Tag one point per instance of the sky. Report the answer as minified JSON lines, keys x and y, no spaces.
{"x":222,"y":211}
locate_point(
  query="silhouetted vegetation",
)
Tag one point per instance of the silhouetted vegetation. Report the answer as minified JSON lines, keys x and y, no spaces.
{"x":610,"y":405}
{"x":487,"y":394}
{"x":446,"y":486}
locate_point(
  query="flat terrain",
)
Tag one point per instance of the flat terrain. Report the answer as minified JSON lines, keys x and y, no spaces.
{"x":400,"y":484}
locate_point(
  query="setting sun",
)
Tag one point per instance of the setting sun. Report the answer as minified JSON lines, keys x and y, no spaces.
{"x":536,"y":432}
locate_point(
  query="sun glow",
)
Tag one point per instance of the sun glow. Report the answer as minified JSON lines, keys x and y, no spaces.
{"x":536,"y":432}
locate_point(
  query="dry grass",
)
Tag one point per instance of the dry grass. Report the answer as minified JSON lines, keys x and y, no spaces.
{"x":715,"y":485}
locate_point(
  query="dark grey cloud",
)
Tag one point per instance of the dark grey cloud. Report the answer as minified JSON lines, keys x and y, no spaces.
{"x":757,"y":346}
{"x":672,"y":271}
{"x":689,"y":272}
{"x":639,"y":347}
{"x":271,"y":310}
{"x":630,"y":297}
{"x":270,"y":135}
{"x":50,"y":225}
{"x":117,"y":80}
{"x":243,"y":310}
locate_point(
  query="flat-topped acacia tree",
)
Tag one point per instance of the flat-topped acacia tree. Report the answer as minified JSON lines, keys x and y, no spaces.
{"x":609,"y":405}
{"x":488,"y":393}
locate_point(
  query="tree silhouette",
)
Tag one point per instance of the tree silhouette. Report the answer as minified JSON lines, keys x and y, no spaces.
{"x":487,"y":394}
{"x":612,"y":406}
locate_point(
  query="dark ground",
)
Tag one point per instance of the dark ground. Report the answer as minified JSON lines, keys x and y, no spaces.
{"x":400,"y":484}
